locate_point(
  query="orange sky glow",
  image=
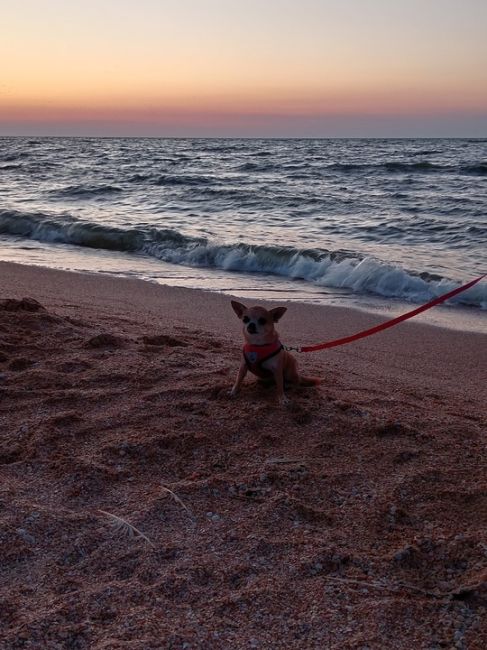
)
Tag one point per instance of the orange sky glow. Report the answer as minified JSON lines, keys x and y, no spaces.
{"x":222,"y":67}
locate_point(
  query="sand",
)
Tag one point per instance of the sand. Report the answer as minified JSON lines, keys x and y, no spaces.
{"x":354,"y":518}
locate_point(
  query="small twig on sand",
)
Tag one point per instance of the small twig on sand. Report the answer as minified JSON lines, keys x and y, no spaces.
{"x":395,"y":587}
{"x":125,"y":527}
{"x":178,"y":501}
{"x":285,"y":461}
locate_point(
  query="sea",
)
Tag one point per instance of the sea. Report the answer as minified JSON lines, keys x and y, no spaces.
{"x":380,"y":225}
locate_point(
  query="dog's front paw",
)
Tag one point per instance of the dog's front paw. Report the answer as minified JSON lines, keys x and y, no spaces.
{"x":232,"y":394}
{"x":283,"y":400}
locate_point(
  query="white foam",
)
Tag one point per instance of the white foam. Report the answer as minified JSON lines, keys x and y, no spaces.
{"x":323,"y":268}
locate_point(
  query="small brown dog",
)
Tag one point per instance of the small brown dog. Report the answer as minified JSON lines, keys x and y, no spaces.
{"x":263,"y":353}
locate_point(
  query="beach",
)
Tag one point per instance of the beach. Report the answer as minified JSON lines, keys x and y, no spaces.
{"x":143,"y":508}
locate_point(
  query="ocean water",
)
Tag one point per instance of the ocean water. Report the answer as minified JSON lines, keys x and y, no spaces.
{"x":374,"y":224}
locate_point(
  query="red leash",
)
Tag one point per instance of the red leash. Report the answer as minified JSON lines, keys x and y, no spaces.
{"x":387,"y":324}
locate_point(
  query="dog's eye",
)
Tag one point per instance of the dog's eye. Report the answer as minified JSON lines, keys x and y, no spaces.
{"x":262,"y":321}
{"x":246,"y":319}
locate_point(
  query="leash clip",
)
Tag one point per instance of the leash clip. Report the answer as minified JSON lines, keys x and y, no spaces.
{"x":291,"y":348}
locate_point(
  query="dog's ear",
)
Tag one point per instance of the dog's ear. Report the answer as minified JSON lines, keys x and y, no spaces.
{"x":238,"y":308}
{"x":277,"y":313}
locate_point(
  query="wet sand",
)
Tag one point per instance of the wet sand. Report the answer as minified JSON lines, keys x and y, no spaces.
{"x":354,"y":518}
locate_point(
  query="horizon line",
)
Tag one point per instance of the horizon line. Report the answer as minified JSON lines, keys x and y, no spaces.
{"x":244,"y":137}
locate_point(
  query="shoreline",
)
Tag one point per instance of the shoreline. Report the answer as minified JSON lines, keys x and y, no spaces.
{"x":458,"y":318}
{"x":252,"y":285}
{"x":365,"y":495}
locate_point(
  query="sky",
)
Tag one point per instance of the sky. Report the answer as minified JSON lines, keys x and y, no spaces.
{"x":248,"y":68}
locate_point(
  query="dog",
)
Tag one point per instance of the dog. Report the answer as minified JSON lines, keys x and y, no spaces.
{"x":263,"y":353}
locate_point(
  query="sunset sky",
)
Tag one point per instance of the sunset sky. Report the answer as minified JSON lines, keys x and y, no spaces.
{"x":285,"y":68}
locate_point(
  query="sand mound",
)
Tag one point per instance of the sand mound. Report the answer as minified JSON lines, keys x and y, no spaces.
{"x":26,"y":304}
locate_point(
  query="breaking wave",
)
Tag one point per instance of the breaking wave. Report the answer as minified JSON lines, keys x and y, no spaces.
{"x":322,"y":267}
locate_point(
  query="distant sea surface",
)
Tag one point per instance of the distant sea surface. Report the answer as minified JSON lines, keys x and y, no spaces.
{"x":373,"y":224}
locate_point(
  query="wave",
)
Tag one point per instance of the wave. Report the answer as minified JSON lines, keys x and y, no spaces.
{"x":256,"y":167}
{"x":184,"y":180}
{"x":340,"y":269}
{"x":139,"y":178}
{"x":224,"y":147}
{"x":425,"y":152}
{"x":173,"y":179}
{"x":12,"y":157}
{"x":392,"y":166}
{"x":84,"y":191}
{"x":423,"y":166}
{"x":68,"y":230}
{"x":6,"y":168}
{"x":476,"y":170}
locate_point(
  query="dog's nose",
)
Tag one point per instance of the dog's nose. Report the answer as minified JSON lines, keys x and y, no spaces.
{"x":251,"y":328}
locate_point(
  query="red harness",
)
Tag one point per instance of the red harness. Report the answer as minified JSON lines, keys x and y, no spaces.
{"x":256,"y":355}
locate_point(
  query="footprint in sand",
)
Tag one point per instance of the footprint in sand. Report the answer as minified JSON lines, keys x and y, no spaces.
{"x":66,"y":419}
{"x":391,"y":429}
{"x":405,"y":456}
{"x":105,"y":341}
{"x":162,"y":339}
{"x":20,"y":364}
{"x":210,"y":344}
{"x":73,"y":366}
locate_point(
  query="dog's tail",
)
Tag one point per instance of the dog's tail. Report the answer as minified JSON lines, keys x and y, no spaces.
{"x":309,"y":381}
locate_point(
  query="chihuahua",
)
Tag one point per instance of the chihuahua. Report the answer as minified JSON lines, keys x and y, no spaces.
{"x":263,"y":353}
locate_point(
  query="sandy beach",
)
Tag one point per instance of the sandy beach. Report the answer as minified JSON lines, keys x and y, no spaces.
{"x":354,"y":518}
